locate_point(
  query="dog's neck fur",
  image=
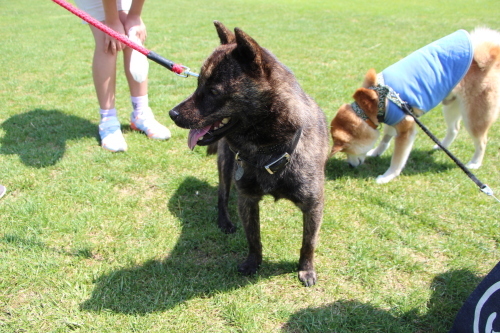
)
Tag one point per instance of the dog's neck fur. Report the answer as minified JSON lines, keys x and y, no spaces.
{"x":385,"y":94}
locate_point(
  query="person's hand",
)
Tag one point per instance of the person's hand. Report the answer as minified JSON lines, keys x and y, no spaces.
{"x":137,"y":23}
{"x":110,"y":44}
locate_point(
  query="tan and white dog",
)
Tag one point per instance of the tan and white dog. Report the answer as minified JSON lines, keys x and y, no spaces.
{"x":461,"y":70}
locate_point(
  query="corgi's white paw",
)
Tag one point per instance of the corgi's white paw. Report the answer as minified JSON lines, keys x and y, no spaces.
{"x":383,"y":179}
{"x":473,"y":165}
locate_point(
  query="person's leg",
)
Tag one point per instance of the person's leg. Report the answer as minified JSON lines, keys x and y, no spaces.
{"x":104,"y":75}
{"x":142,"y":118}
{"x":103,"y":71}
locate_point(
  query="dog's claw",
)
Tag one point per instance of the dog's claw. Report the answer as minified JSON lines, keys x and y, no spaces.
{"x":226,"y":225}
{"x":228,"y":229}
{"x":309,"y":278}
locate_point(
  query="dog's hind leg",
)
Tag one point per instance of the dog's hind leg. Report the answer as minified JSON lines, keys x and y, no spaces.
{"x":478,"y":119}
{"x":452,"y":116}
{"x":225,"y":165}
{"x":248,"y":208}
{"x":312,"y":218}
{"x":477,"y":158}
{"x":478,"y":129}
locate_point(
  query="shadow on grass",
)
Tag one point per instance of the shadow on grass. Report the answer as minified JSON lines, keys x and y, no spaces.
{"x":32,"y":244}
{"x":202,"y":263}
{"x":449,"y":292}
{"x":39,"y":136}
{"x":420,"y":161}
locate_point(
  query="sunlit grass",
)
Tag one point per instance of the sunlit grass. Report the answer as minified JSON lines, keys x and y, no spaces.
{"x":97,"y":242}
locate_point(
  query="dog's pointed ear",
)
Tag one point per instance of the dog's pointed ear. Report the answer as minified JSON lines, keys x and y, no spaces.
{"x":226,"y":36}
{"x":370,"y":78}
{"x":335,"y":149}
{"x":367,"y":100}
{"x":248,"y":49}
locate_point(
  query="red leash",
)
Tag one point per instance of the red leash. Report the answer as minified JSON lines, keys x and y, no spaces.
{"x":176,"y":68}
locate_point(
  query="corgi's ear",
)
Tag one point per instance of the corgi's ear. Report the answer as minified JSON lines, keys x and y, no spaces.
{"x":335,"y":149}
{"x":370,"y":78}
{"x":367,"y":100}
{"x":226,"y":36}
{"x":249,"y":52}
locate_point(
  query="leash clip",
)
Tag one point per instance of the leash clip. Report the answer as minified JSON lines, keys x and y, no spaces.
{"x":486,"y":189}
{"x":186,"y":71}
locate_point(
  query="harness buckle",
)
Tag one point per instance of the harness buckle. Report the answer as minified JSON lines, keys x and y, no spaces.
{"x":278,"y":164}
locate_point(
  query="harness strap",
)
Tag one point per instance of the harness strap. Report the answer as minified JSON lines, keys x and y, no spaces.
{"x":277,"y":164}
{"x":361,"y":114}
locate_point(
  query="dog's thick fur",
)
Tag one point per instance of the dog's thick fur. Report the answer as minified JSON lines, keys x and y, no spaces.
{"x":476,"y":100}
{"x":253,"y":103}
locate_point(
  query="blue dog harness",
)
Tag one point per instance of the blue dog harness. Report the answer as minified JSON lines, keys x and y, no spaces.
{"x":425,"y":77}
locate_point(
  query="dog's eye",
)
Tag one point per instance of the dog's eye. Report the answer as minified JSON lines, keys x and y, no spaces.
{"x":214,"y":92}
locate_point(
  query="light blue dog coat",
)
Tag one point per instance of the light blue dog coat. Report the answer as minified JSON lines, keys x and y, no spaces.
{"x":425,"y":77}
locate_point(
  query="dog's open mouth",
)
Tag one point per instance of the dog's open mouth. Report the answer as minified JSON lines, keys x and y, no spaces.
{"x":209,"y":134}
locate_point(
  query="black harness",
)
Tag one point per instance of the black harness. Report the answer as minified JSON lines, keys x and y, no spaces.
{"x":273,"y":165}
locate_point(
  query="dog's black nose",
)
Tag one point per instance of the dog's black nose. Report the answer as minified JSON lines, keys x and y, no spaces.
{"x":173,"y":114}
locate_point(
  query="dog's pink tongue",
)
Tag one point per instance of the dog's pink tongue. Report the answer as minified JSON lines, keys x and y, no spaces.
{"x":195,"y":134}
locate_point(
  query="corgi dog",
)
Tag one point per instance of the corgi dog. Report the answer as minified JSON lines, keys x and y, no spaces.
{"x":460,"y":70}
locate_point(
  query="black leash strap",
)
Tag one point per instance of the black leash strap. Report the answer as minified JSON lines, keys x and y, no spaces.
{"x":386,"y":91}
{"x":483,"y":187}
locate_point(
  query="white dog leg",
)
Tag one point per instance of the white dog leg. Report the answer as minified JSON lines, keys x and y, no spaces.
{"x":389,"y":133}
{"x":402,"y":149}
{"x":478,"y":127}
{"x":477,"y":158}
{"x":452,"y":116}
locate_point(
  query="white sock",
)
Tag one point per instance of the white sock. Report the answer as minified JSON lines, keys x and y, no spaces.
{"x":107,"y":113}
{"x":139,"y":104}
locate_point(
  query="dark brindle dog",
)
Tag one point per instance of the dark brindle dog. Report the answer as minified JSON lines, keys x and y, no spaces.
{"x":275,"y":139}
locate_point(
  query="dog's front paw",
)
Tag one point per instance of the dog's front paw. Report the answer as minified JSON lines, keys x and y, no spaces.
{"x":249,"y":266}
{"x":374,"y":152}
{"x":472,"y":165}
{"x":383,"y":179}
{"x":380,"y":149}
{"x":308,"y":278}
{"x":226,"y":226}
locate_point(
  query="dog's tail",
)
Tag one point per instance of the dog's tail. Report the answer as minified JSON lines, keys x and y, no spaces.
{"x":486,"y":48}
{"x":487,"y":56}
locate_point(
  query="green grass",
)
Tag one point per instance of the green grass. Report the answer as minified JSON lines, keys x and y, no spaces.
{"x":97,"y":242}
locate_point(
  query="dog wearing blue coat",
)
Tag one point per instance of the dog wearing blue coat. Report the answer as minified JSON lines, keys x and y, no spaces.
{"x":461,"y":71}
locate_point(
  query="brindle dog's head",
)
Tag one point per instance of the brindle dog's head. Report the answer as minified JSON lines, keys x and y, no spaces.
{"x":232,"y":89}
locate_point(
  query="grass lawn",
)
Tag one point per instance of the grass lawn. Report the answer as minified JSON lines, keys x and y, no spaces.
{"x":92,"y":241}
